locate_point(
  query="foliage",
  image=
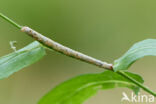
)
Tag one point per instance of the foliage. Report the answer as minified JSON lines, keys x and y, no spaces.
{"x":78,"y":89}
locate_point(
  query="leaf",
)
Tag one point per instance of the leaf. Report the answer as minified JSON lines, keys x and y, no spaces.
{"x":137,"y":51}
{"x":78,"y":89}
{"x":22,"y":58}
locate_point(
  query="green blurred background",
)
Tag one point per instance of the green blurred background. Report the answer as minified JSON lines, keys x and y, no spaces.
{"x":104,"y":29}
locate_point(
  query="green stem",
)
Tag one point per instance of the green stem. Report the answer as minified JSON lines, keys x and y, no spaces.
{"x":10,"y":21}
{"x":119,"y":72}
{"x":137,"y":83}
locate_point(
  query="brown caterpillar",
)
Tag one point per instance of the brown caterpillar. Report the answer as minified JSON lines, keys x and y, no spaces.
{"x":65,"y":50}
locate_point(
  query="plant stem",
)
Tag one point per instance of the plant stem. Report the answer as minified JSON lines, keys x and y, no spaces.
{"x":137,"y":83}
{"x":10,"y":21}
{"x":72,"y":53}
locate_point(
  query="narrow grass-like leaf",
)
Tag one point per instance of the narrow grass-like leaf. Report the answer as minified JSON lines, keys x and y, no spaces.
{"x":22,"y":58}
{"x":137,"y":51}
{"x":79,"y":89}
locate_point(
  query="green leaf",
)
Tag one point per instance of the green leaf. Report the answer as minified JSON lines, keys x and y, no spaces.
{"x":137,"y":51}
{"x":22,"y":58}
{"x":79,"y":89}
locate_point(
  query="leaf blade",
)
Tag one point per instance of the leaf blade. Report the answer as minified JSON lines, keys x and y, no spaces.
{"x":22,"y":58}
{"x":139,"y":50}
{"x":78,"y":89}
